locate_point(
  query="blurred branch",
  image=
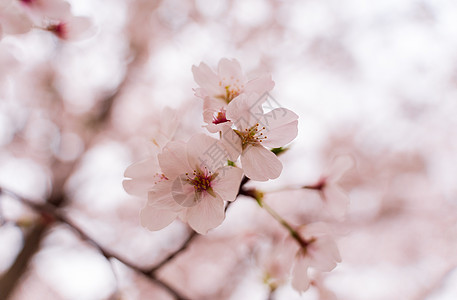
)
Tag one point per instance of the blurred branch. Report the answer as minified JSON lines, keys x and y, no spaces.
{"x":437,"y":284}
{"x":173,"y":254}
{"x":32,"y":242}
{"x":50,"y":213}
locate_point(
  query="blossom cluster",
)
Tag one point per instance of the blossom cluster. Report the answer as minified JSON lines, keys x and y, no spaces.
{"x":21,"y":16}
{"x":193,"y":180}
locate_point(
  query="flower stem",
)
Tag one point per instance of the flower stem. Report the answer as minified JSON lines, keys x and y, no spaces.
{"x":258,"y":196}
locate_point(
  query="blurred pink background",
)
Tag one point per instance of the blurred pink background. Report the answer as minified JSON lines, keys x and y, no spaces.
{"x":374,"y":80}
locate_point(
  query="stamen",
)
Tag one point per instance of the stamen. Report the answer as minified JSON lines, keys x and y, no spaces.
{"x":252,"y":135}
{"x":201,"y":180}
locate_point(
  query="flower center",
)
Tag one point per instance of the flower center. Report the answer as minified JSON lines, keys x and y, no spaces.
{"x":59,"y":29}
{"x":159,"y":177}
{"x":232,"y":88}
{"x":251,"y":136}
{"x":231,"y":92}
{"x":220,"y":117}
{"x":201,"y":180}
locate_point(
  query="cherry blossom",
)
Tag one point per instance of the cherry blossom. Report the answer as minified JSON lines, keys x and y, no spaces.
{"x":317,"y":250}
{"x":255,"y":130}
{"x":215,"y":116}
{"x":53,"y":9}
{"x":70,"y":28}
{"x":219,"y":89}
{"x":228,"y":82}
{"x":142,"y":175}
{"x":13,"y":20}
{"x":190,"y":184}
{"x":335,"y":199}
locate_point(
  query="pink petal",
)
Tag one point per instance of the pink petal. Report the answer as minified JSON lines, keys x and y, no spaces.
{"x":260,"y":84}
{"x":138,"y":187}
{"x":210,"y":108}
{"x":300,"y":279}
{"x":336,"y":200}
{"x":206,"y":79}
{"x":13,"y":20}
{"x":260,"y":164}
{"x":205,"y":151}
{"x":227,"y":183}
{"x":246,"y":110}
{"x":168,"y":122}
{"x":207,"y":214}
{"x":78,"y":28}
{"x":173,"y":160}
{"x":238,"y":112}
{"x":280,"y":127}
{"x":323,"y":254}
{"x":230,"y":69}
{"x":143,"y":169}
{"x":156,"y":219}
{"x":340,"y":165}
{"x":232,"y":143}
{"x":183,"y":193}
{"x":161,"y":197}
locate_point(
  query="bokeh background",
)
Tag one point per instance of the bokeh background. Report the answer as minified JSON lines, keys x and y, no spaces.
{"x":373,"y":79}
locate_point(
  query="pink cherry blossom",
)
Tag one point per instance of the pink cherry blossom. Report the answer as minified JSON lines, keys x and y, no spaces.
{"x":219,"y":89}
{"x":143,"y":175}
{"x":228,"y":82}
{"x":317,"y":250}
{"x":189,"y":184}
{"x":335,"y":199}
{"x":70,"y":28}
{"x":13,"y":20}
{"x":53,"y":9}
{"x":255,"y":130}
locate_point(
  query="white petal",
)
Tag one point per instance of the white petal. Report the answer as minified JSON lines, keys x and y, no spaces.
{"x":207,"y":214}
{"x":300,"y":279}
{"x":227,"y":182}
{"x":155,"y":219}
{"x":260,"y":164}
{"x":280,"y":127}
{"x":205,"y":151}
{"x":173,"y":160}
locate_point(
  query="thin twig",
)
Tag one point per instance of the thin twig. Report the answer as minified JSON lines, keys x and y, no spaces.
{"x":173,"y":254}
{"x":51,"y":211}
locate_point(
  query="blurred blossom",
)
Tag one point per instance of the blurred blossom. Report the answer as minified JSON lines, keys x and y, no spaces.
{"x":89,"y":87}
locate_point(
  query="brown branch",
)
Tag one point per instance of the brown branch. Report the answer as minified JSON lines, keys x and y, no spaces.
{"x":51,"y":213}
{"x":32,"y":241}
{"x":172,"y":255}
{"x":50,"y":210}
